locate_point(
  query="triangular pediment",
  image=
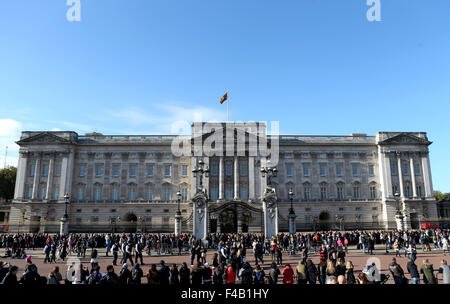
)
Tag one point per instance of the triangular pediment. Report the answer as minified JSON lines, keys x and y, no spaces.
{"x":405,"y":139}
{"x":247,"y":136}
{"x":43,"y":138}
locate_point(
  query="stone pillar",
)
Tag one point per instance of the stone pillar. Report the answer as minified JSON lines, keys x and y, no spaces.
{"x":67,"y":173}
{"x":37,"y":172}
{"x":48,"y":194}
{"x":292,"y":223}
{"x":221,"y":181}
{"x":251,"y":178}
{"x":64,"y":226}
{"x":399,"y":221}
{"x":413,"y":176}
{"x":400,"y":175}
{"x":21,"y":176}
{"x":236,"y":177}
{"x":426,"y":173}
{"x":178,"y":218}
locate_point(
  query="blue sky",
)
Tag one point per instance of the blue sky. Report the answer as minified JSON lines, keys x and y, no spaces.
{"x":138,"y":66}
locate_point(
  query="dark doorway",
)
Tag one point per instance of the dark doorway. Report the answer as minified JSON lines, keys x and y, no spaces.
{"x":324,"y":220}
{"x":244,"y":228}
{"x":130,"y":222}
{"x":35,"y":222}
{"x":213,"y":225}
{"x":414,"y":221}
{"x":228,"y":221}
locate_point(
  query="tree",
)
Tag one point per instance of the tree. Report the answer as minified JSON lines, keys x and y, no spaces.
{"x":7,"y":182}
{"x":440,"y":197}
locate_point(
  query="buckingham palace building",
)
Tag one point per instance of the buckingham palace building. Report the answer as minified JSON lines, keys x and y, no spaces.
{"x":136,"y":183}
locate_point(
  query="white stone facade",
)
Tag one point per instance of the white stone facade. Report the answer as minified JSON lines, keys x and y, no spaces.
{"x":118,"y":183}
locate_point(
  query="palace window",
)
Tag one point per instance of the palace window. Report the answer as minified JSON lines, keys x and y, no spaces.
{"x":32,"y":170}
{"x":132,"y":193}
{"x":184,"y":170}
{"x":149,"y":194}
{"x":184,"y":194}
{"x":416,"y":169}
{"x":356,"y":192}
{"x":43,"y":192}
{"x":82,"y":170}
{"x":214,"y":193}
{"x":132,"y":170}
{"x":322,"y":170}
{"x":30,"y":192}
{"x":305,"y":170}
{"x":408,"y":191}
{"x":56,"y":193}
{"x":149,"y":170}
{"x":355,"y":169}
{"x":214,"y":170}
{"x":97,"y":193}
{"x":323,"y":193}
{"x":288,"y":170}
{"x":419,"y":190}
{"x":45,"y":170}
{"x":244,"y":170}
{"x":244,"y":193}
{"x":340,"y":192}
{"x":229,"y":192}
{"x":58,"y":170}
{"x":167,"y":194}
{"x":395,"y":189}
{"x":98,"y":170}
{"x":115,"y":194}
{"x":405,"y":168}
{"x":393,"y":169}
{"x":115,"y":170}
{"x":373,"y":192}
{"x":167,"y":169}
{"x":371,"y":170}
{"x":307,"y":193}
{"x":228,"y":169}
{"x":80,"y":194}
{"x":338,"y":170}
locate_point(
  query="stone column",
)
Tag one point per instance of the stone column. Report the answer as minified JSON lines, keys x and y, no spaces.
{"x":413,"y":176}
{"x":48,"y":194}
{"x":236,"y":177}
{"x":251,"y":178}
{"x":178,"y":218}
{"x":426,"y":173}
{"x":292,"y":223}
{"x":400,"y":175}
{"x":21,"y":176}
{"x":37,"y":172}
{"x":221,"y":182}
{"x":67,"y":173}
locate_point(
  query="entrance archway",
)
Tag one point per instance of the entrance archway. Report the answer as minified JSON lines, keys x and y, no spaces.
{"x":324,"y":220}
{"x":228,"y":221}
{"x":130,"y":221}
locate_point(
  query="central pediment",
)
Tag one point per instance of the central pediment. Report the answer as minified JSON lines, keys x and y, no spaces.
{"x":44,"y":138}
{"x":405,"y":139}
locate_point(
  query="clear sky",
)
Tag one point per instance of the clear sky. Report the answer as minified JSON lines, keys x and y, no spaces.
{"x":138,"y":66}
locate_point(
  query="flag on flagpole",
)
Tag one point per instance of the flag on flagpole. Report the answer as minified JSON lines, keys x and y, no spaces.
{"x":224,"y":98}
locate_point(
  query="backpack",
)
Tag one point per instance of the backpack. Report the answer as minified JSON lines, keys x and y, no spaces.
{"x":259,"y":277}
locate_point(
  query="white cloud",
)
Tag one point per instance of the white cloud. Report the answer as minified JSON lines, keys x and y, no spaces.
{"x":10,"y":131}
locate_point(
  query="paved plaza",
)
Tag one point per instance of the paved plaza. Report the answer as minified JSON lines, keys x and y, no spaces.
{"x":359,"y":260}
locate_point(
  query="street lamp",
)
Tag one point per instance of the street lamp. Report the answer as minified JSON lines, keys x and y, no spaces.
{"x":270,"y":172}
{"x":63,"y":229}
{"x":178,"y":216}
{"x":292,"y":216}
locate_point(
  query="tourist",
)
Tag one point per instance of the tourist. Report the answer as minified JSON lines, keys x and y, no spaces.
{"x":230,"y":275}
{"x":274,"y":273}
{"x":412,"y":270}
{"x":124,"y":275}
{"x":445,"y":270}
{"x":362,"y":278}
{"x":259,"y":275}
{"x":397,"y":272}
{"x":428,"y":272}
{"x":311,"y":273}
{"x":110,"y":277}
{"x":349,"y":273}
{"x":54,"y":277}
{"x":11,"y":277}
{"x":330,"y":272}
{"x":288,"y":274}
{"x":301,"y":273}
{"x":174,"y":276}
{"x":197,"y":274}
{"x":164,"y":273}
{"x":153,"y":275}
{"x":207,"y":274}
{"x":185,"y":274}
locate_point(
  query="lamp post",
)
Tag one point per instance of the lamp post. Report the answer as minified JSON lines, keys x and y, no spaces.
{"x":64,"y":226}
{"x":292,"y":216}
{"x":178,"y":216}
{"x":398,"y":214}
{"x":200,"y":203}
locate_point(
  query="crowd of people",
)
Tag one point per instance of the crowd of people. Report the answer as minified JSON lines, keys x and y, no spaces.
{"x":230,"y":263}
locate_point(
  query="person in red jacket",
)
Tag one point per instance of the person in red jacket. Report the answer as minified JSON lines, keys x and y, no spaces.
{"x":288,"y":274}
{"x":231,"y":275}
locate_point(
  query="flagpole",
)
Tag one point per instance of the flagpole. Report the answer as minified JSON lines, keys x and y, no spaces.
{"x":228,"y":107}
